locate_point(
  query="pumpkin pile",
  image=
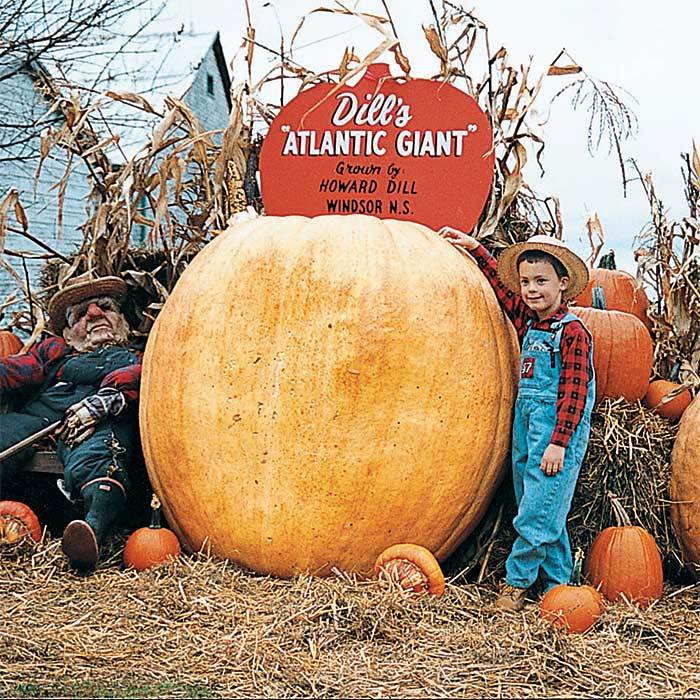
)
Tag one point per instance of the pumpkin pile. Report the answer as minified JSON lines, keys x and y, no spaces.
{"x":630,"y":446}
{"x":613,"y":306}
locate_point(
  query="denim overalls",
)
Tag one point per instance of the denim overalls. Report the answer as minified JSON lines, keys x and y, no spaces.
{"x":542,"y":545}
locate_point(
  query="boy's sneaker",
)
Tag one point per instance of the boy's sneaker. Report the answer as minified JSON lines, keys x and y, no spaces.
{"x":511,"y":598}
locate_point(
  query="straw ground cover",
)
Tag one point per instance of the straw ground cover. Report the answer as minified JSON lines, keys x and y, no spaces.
{"x":202,"y":627}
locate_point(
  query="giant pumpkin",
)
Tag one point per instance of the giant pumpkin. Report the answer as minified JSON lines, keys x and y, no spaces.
{"x":685,"y":486}
{"x":317,"y":389}
{"x":623,"y":353}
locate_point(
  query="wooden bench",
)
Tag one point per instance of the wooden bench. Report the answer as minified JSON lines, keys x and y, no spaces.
{"x":43,"y":462}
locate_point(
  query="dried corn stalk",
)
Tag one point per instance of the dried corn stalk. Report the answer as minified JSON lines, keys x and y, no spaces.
{"x":668,"y":262}
{"x":507,"y":94}
{"x":181,"y":185}
{"x":184,"y":186}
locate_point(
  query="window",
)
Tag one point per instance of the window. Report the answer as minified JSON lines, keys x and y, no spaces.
{"x":210,"y":83}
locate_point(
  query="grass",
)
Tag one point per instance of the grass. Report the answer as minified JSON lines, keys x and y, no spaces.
{"x":96,"y":689}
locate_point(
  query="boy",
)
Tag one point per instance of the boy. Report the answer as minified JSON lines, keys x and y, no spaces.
{"x":553,"y":408}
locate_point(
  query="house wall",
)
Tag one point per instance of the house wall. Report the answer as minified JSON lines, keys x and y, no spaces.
{"x":211,"y":109}
{"x":23,"y":105}
{"x":19,"y":158}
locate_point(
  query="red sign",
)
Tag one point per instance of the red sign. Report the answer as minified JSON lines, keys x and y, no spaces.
{"x":419,"y":150}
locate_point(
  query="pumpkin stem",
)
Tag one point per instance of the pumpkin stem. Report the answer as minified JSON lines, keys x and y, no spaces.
{"x":598,"y":298}
{"x":607,"y":262}
{"x":673,"y":376}
{"x":623,"y":520}
{"x":578,"y":563}
{"x":156,"y":512}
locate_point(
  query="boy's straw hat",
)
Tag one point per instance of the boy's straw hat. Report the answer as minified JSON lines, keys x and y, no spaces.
{"x":576,"y":268}
{"x":79,"y":289}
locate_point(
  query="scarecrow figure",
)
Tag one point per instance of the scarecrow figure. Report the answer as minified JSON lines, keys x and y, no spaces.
{"x":88,"y":376}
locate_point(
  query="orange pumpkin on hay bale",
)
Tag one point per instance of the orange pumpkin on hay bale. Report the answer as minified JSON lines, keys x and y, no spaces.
{"x":658,"y":398}
{"x":623,"y":353}
{"x":624,"y":561}
{"x":617,"y":290}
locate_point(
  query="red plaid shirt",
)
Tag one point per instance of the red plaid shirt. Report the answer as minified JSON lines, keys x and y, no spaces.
{"x":30,"y":369}
{"x":575,"y":348}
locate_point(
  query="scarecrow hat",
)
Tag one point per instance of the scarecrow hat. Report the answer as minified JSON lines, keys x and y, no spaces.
{"x":79,"y":289}
{"x":576,"y":268}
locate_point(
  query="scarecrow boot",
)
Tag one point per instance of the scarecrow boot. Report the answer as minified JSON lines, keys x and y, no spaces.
{"x":103,"y":502}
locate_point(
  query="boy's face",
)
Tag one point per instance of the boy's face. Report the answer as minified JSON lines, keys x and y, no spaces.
{"x":540,"y":287}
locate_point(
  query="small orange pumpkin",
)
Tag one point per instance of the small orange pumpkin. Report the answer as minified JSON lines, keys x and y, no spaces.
{"x":413,"y":567}
{"x":17,"y":521}
{"x":624,"y":561}
{"x":672,"y":408}
{"x":10,"y":344}
{"x":152,"y":545}
{"x":572,"y":607}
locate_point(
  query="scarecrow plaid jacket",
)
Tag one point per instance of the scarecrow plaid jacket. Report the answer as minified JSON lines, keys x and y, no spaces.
{"x":30,"y":369}
{"x":575,"y":348}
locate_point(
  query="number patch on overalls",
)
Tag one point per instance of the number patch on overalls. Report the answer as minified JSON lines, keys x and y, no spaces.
{"x":527,"y":370}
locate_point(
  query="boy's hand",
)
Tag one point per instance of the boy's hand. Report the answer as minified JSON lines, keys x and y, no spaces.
{"x":552,"y":459}
{"x":452,"y":235}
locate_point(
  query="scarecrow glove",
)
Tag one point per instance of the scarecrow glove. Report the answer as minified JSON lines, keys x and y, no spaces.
{"x":82,"y":417}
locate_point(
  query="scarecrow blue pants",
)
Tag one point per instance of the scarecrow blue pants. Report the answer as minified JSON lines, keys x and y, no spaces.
{"x":107,"y":452}
{"x":542,"y":545}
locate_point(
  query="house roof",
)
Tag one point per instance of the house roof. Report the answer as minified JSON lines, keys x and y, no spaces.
{"x":169,"y":70}
{"x":173,"y":65}
{"x":155,"y":66}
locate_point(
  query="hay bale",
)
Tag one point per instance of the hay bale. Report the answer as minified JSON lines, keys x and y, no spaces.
{"x":628,"y":454}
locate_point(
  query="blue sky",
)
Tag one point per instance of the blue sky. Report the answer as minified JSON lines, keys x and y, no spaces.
{"x":650,"y":51}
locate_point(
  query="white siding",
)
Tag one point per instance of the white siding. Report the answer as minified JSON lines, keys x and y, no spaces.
{"x":23,"y":105}
{"x":211,"y":109}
